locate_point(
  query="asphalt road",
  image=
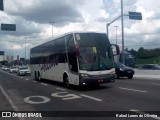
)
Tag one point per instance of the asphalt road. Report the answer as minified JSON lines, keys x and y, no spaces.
{"x":124,"y":96}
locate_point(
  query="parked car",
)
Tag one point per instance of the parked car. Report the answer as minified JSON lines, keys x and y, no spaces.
{"x":3,"y":67}
{"x":151,"y":67}
{"x":13,"y":69}
{"x":123,"y":71}
{"x":24,"y":70}
{"x":7,"y":68}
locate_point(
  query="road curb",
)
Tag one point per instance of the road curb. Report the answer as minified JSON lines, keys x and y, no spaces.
{"x":146,"y":78}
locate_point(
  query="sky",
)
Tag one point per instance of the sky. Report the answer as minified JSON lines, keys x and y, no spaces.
{"x":33,"y":17}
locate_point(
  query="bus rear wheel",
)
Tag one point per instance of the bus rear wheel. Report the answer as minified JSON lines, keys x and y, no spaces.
{"x":39,"y":77}
{"x":35,"y":75}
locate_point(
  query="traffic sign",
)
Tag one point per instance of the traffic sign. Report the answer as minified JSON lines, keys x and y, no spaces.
{"x":135,"y":15}
{"x":1,"y":52}
{"x":1,"y":5}
{"x":8,"y":27}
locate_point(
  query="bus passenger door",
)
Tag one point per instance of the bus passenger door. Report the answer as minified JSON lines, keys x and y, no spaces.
{"x":72,"y":61}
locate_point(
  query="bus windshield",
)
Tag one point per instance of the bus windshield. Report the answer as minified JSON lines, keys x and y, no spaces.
{"x":95,"y":52}
{"x":95,"y":59}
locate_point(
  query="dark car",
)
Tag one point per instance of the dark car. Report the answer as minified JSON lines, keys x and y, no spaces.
{"x":151,"y":67}
{"x":123,"y":71}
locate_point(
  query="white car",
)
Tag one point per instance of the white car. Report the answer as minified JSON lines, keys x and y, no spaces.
{"x":6,"y":68}
{"x":24,"y":71}
{"x":13,"y":69}
{"x":3,"y":67}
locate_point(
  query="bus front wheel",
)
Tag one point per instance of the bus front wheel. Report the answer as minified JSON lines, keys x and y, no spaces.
{"x":66,"y":81}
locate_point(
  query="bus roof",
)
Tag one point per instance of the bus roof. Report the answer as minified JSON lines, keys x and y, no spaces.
{"x":77,"y":32}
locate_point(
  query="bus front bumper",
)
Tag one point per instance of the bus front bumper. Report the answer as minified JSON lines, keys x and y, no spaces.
{"x":96,"y":80}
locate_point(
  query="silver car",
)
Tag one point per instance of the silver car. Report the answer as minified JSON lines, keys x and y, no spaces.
{"x":13,"y":69}
{"x":25,"y":70}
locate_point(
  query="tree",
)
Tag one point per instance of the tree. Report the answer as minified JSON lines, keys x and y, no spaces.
{"x":133,"y":52}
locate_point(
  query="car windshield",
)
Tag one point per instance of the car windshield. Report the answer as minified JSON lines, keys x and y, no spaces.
{"x":120,"y":64}
{"x":13,"y":67}
{"x":23,"y":68}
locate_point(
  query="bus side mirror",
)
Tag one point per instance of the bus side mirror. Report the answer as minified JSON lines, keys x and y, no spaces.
{"x":115,"y":49}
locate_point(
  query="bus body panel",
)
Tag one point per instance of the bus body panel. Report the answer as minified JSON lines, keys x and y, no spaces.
{"x":56,"y":73}
{"x":73,"y":78}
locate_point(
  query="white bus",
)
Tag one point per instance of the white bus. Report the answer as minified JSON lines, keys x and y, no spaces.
{"x":75,"y":58}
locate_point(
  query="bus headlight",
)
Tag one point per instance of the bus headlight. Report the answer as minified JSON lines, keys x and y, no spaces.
{"x":121,"y":69}
{"x":113,"y":72}
{"x":84,"y":75}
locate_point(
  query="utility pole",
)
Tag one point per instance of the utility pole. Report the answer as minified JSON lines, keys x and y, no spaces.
{"x":123,"y":57}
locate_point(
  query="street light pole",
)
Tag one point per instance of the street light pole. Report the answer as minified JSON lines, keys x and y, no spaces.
{"x":12,"y":58}
{"x":123,"y":57}
{"x":108,"y":24}
{"x":52,"y":27}
{"x":116,"y":33}
{"x":25,"y":49}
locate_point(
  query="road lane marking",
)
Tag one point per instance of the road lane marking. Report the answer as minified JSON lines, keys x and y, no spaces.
{"x":10,"y":101}
{"x":61,"y":89}
{"x":65,"y":95}
{"x":43,"y":99}
{"x":90,"y":97}
{"x":13,"y":75}
{"x":43,"y":84}
{"x":34,"y":81}
{"x":155,"y":83}
{"x":133,"y":90}
{"x":140,"y":112}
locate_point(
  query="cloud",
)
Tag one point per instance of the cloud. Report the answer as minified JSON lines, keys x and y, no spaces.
{"x":42,"y":11}
{"x":32,"y":19}
{"x":23,"y":27}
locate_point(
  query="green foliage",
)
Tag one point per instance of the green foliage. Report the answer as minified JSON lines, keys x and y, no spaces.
{"x":146,"y":56}
{"x":147,"y":53}
{"x":154,"y":60}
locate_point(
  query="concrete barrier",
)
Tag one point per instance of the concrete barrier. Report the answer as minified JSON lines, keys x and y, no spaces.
{"x":147,"y":72}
